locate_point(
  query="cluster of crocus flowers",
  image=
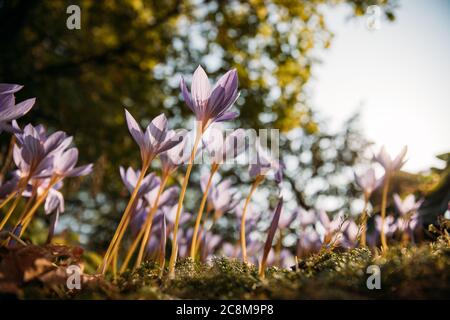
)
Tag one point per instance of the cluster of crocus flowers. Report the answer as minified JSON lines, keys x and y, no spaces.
{"x":391,"y":166}
{"x":368,"y":183}
{"x":155,"y":140}
{"x":42,"y":162}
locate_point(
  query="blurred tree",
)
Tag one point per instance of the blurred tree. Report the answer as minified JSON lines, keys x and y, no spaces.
{"x":131,"y":53}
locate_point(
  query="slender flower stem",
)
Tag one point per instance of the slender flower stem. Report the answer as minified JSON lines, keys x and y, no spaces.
{"x":214,"y":168}
{"x":29,"y":216}
{"x":10,"y":211}
{"x":362,"y":240}
{"x":255,"y":184}
{"x":383,"y":211}
{"x":7,"y":199}
{"x":201,"y":230}
{"x":21,"y":187}
{"x":149,"y":222}
{"x":122,"y":224}
{"x":173,"y":255}
{"x":8,"y":158}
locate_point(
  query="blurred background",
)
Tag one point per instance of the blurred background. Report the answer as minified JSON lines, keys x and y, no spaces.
{"x":336,"y":82}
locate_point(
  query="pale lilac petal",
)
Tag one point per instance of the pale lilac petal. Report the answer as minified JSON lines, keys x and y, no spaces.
{"x":135,"y":129}
{"x":157,"y":129}
{"x":17,"y":111}
{"x":227,"y":116}
{"x":200,"y":88}
{"x":187,"y":96}
{"x":8,"y":88}
{"x":80,"y":171}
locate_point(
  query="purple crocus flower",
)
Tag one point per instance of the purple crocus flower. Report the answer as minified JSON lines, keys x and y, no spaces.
{"x":9,"y":110}
{"x":262,"y":164}
{"x":176,"y":156}
{"x":154,"y":140}
{"x":306,"y":217}
{"x":211,"y":105}
{"x":221,"y":197}
{"x":408,"y":205}
{"x":368,"y":182}
{"x":222,"y":149}
{"x":350,"y":232}
{"x":35,"y":153}
{"x":131,"y":176}
{"x":209,"y":243}
{"x":168,"y":198}
{"x":286,"y":220}
{"x":308,"y":242}
{"x":386,"y":161}
{"x":409,"y":217}
{"x":64,"y":164}
{"x":330,"y":226}
{"x":54,"y":206}
{"x":390,"y":225}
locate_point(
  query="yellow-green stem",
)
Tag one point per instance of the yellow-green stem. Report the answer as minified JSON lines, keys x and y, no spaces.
{"x":362,"y":240}
{"x":174,"y":252}
{"x":123,"y":223}
{"x":29,"y":216}
{"x":201,"y":208}
{"x":10,"y":211}
{"x":383,"y":212}
{"x":8,"y":158}
{"x":255,"y":184}
{"x":8,"y":199}
{"x":149,"y":222}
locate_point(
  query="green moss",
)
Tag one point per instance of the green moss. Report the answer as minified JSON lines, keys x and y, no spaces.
{"x":413,"y":272}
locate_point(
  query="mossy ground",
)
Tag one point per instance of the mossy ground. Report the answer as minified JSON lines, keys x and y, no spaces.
{"x":406,"y":273}
{"x":414,"y":272}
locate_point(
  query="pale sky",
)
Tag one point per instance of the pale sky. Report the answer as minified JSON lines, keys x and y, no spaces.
{"x":397,"y":76}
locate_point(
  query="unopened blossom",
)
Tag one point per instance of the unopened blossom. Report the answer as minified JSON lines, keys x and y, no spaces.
{"x":154,"y":140}
{"x":211,"y":105}
{"x":391,"y":165}
{"x":270,"y":235}
{"x":368,"y":182}
{"x":9,"y":110}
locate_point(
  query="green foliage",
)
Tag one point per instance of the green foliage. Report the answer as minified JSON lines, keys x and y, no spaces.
{"x":131,"y":53}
